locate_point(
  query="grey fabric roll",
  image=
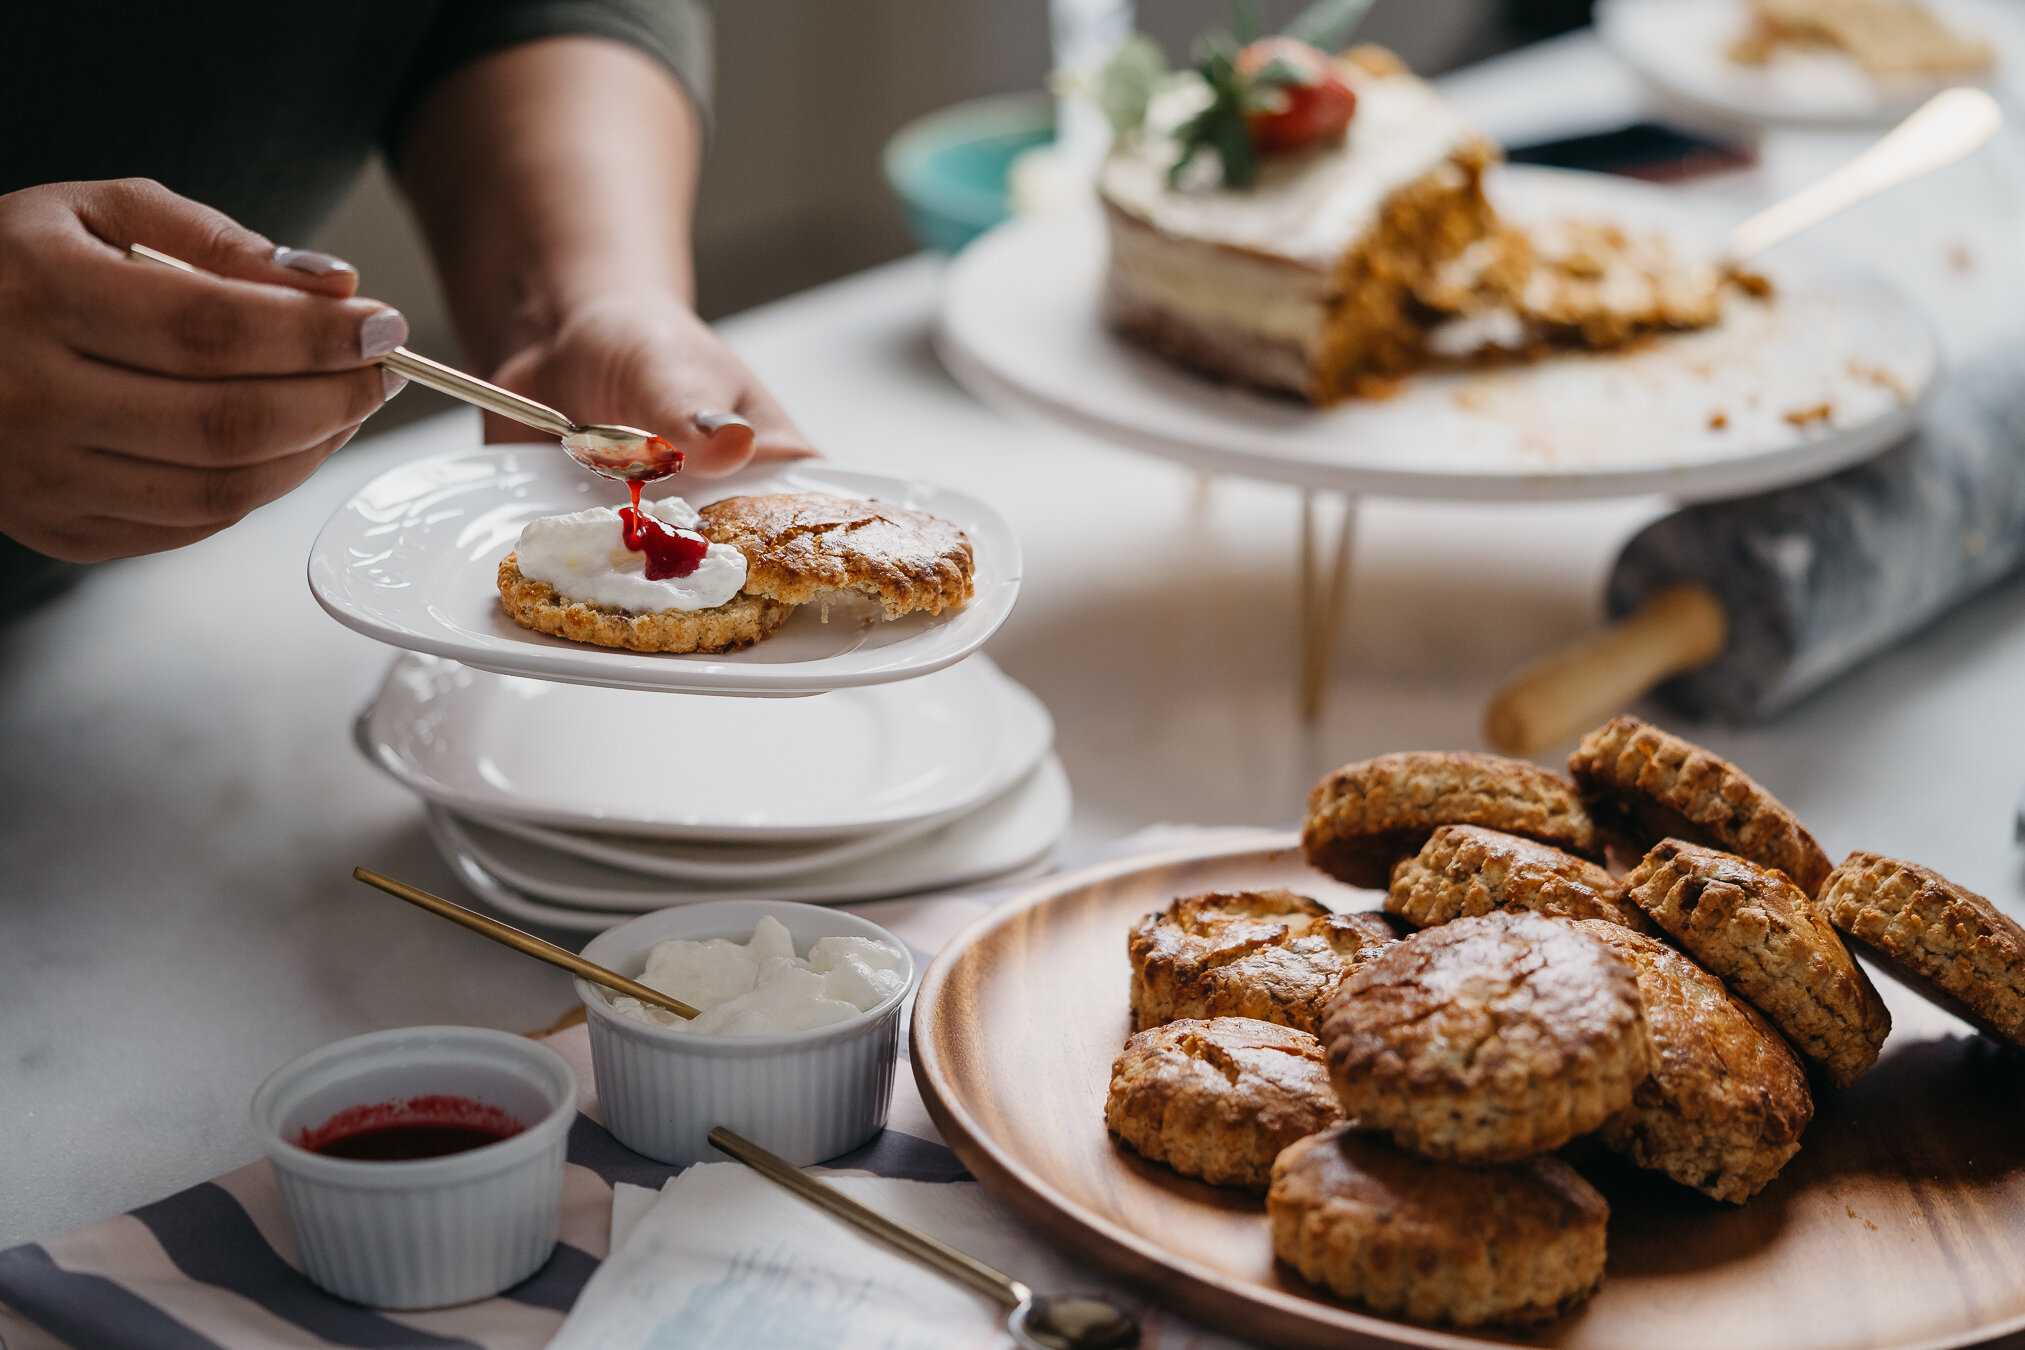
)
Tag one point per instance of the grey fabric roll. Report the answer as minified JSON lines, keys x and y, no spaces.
{"x":1818,"y":578}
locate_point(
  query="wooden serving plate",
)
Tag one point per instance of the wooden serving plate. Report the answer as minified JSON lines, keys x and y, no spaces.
{"x":1901,"y":1223}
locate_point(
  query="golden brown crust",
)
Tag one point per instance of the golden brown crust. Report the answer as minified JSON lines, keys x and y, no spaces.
{"x":802,"y":547}
{"x":1753,"y":929}
{"x":1219,"y":1099}
{"x":739,"y":622}
{"x":1942,"y":940}
{"x":1273,"y":955}
{"x":1657,"y":786}
{"x":1727,"y":1100}
{"x":1365,"y":817}
{"x":1466,"y":870}
{"x":1516,"y":1244}
{"x":1487,"y":1038}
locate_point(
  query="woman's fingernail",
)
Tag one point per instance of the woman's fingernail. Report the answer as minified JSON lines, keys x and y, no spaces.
{"x":382,"y":331}
{"x":710,"y":421}
{"x":391,"y":383}
{"x":310,"y":261}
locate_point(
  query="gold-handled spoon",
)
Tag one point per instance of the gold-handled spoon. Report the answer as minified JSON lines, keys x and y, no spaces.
{"x":507,"y":935}
{"x":1035,"y":1321}
{"x":624,"y":453}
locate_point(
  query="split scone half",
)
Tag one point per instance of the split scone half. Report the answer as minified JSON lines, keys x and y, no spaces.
{"x":1219,"y":1099}
{"x":1726,"y":1102}
{"x":1272,"y":955}
{"x":1489,"y":1038}
{"x":1515,"y":1244}
{"x":739,"y":622}
{"x":1753,"y":929}
{"x":809,"y":547}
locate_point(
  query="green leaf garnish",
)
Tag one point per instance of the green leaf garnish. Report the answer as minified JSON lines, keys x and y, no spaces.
{"x":1326,"y":24}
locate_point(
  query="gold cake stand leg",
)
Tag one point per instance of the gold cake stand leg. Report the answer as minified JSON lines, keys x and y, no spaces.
{"x":1324,"y":594}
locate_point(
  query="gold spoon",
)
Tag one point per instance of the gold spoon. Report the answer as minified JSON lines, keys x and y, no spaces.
{"x":1035,"y":1321}
{"x":507,"y":935}
{"x":624,"y":453}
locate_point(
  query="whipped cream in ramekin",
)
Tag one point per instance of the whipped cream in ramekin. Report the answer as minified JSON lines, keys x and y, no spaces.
{"x":761,"y":988}
{"x":584,"y":556}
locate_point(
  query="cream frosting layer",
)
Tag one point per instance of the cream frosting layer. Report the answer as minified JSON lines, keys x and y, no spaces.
{"x":584,"y":556}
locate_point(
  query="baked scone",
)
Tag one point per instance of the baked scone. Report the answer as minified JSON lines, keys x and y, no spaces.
{"x":1752,"y":928}
{"x":1653,"y":785}
{"x":1219,"y":1099}
{"x":1727,"y":1100}
{"x":1365,"y":817}
{"x":1940,"y":939}
{"x":1514,"y":1244}
{"x":806,"y":547}
{"x":1487,"y":1038}
{"x":1466,"y":870}
{"x":739,"y":622}
{"x":1273,"y":955}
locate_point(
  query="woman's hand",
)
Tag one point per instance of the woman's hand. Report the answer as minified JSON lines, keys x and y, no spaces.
{"x":649,"y":362}
{"x":143,"y":407}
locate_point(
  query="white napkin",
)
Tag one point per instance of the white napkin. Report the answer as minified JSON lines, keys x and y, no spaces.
{"x":725,"y":1259}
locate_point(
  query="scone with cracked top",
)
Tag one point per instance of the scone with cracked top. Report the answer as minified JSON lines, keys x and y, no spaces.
{"x":1367,"y":816}
{"x":804,"y":547}
{"x":1726,"y":1102}
{"x":1466,"y":870}
{"x":1219,"y":1099}
{"x":1515,"y":1244}
{"x":738,"y":622}
{"x":1753,"y":929}
{"x":1651,"y":785}
{"x":1273,"y":955}
{"x":1488,"y":1038}
{"x":1942,"y":940}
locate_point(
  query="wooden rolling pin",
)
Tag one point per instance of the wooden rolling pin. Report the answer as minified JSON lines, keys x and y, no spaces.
{"x":1733,"y":610}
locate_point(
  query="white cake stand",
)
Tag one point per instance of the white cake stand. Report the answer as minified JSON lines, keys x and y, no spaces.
{"x":1829,"y":372}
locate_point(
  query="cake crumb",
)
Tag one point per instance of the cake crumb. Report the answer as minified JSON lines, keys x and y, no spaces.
{"x":1802,"y":417}
{"x":1718,"y":420}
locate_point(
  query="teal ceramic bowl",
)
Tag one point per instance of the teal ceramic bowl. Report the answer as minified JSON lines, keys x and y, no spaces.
{"x":949,"y":168}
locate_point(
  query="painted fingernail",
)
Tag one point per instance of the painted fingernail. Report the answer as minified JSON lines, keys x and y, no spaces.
{"x":710,"y":421}
{"x":310,"y":261}
{"x":391,"y":384}
{"x":382,"y":331}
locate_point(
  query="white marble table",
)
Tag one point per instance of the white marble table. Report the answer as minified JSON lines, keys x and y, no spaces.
{"x":183,"y":806}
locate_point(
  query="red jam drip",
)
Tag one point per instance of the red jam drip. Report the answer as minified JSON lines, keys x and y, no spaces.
{"x":421,"y":1127}
{"x":671,"y":553}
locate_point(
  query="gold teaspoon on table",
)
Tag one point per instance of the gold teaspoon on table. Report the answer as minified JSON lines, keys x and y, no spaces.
{"x":625,"y":453}
{"x":1035,"y":1321}
{"x":507,"y":935}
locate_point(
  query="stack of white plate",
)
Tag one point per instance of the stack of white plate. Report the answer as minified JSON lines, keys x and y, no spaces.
{"x":578,"y":806}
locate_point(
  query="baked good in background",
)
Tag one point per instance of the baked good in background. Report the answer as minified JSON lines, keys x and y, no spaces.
{"x":1365,"y":817}
{"x":1753,"y":929}
{"x":1893,"y":40}
{"x":1512,"y":1244}
{"x":1942,"y":940}
{"x":1724,"y":1106}
{"x":1219,"y":1099}
{"x":1488,"y":1038}
{"x":1466,"y":870}
{"x":1272,"y":955}
{"x":1648,"y":785}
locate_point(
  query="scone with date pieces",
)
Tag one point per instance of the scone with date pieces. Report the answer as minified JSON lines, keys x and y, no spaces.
{"x":1365,"y":817}
{"x":1726,"y":1101}
{"x":1753,"y":929}
{"x":1465,"y":870}
{"x":1647,"y":785}
{"x":809,"y":547}
{"x":1219,"y":1099}
{"x":1514,"y":1244}
{"x":1941,"y":940}
{"x":1273,"y":955}
{"x":1488,"y":1038}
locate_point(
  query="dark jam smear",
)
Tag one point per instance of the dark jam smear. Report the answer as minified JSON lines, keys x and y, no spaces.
{"x":420,"y":1127}
{"x":671,"y":553}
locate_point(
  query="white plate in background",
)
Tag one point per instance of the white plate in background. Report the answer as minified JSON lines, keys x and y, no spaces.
{"x":413,"y":559}
{"x":777,"y":771}
{"x":1716,"y":413}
